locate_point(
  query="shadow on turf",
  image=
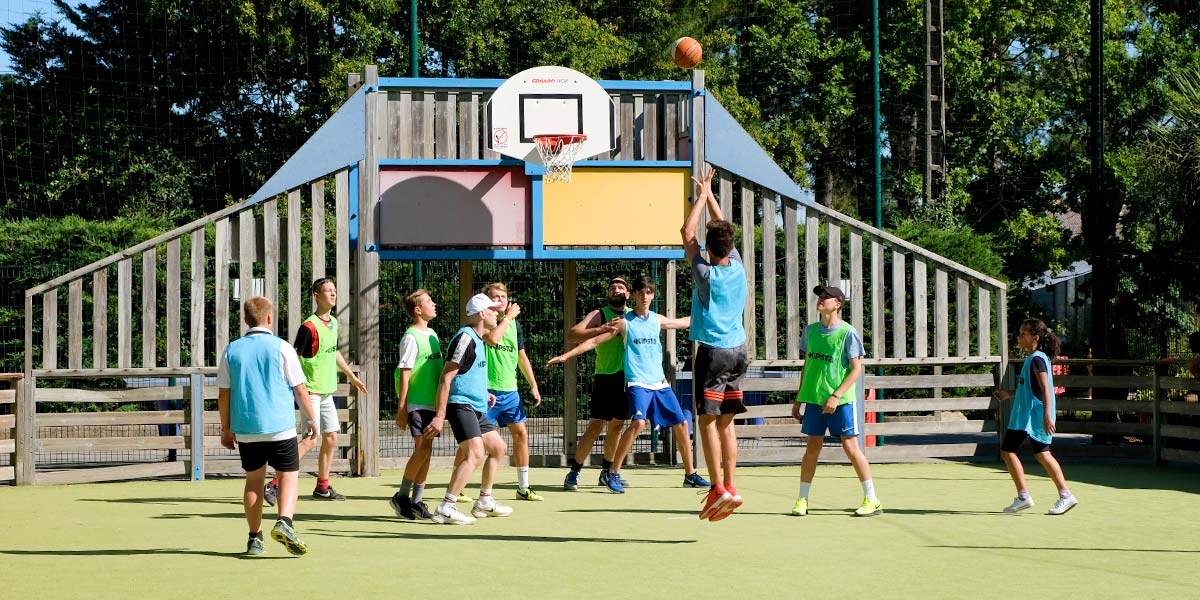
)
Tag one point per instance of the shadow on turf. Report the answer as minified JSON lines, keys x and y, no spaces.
{"x":136,"y":552}
{"x":167,"y":501}
{"x":498,"y":538}
{"x":1064,"y":549}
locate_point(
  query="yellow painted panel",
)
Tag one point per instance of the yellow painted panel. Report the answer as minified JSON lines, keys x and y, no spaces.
{"x":616,"y":207}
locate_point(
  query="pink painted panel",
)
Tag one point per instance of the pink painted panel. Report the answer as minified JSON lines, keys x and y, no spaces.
{"x":454,"y":206}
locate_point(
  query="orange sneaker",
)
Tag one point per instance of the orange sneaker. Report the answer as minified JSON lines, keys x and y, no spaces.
{"x":714,"y":501}
{"x":727,"y":509}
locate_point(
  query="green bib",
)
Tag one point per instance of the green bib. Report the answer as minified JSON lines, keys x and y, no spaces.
{"x":423,"y":382}
{"x":823,"y":368}
{"x":502,"y":361}
{"x":610,"y":356}
{"x":320,"y":371}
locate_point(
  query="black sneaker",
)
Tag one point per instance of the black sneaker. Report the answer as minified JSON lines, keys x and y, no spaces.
{"x":328,"y":494}
{"x":421,"y":511}
{"x":271,"y":493}
{"x":403,"y":507}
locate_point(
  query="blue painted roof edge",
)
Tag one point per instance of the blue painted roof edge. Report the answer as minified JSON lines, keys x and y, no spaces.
{"x":729,"y":147}
{"x":341,"y":141}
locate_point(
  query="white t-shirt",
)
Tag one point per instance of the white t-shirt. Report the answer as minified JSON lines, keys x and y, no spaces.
{"x":293,"y":374}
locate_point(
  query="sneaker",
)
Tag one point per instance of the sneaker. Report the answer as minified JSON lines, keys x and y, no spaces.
{"x":571,"y":482}
{"x":421,"y":511}
{"x":1063,"y":505}
{"x":254,"y":546}
{"x":328,"y":494}
{"x":613,"y":483}
{"x":604,"y":475}
{"x":869,"y":508}
{"x":800,"y":508}
{"x":482,"y":509}
{"x":403,"y":507}
{"x":464,"y":498}
{"x":529,"y":495}
{"x":286,"y":535}
{"x":713,"y":501}
{"x":1019,"y":505}
{"x":271,"y":493}
{"x":728,"y":508}
{"x":695,"y":481}
{"x":447,"y":514}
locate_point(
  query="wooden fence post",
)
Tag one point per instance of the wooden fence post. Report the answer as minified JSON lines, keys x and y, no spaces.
{"x":25,"y":458}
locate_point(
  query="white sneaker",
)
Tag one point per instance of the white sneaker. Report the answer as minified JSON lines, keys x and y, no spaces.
{"x":447,"y":514}
{"x":491,"y":508}
{"x":1018,"y":504}
{"x":1063,"y":505}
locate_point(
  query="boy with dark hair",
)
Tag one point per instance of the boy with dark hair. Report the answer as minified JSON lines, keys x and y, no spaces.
{"x":608,"y":410}
{"x":416,"y":381}
{"x":721,"y":359}
{"x":647,"y":392}
{"x":317,"y":346}
{"x":257,"y":380}
{"x":463,"y":399}
{"x":829,"y":393}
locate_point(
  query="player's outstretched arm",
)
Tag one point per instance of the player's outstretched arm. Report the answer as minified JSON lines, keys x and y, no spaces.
{"x":678,"y":323}
{"x":589,"y":327}
{"x":581,"y":348}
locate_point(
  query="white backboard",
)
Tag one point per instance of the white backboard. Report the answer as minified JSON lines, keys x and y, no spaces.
{"x":549,"y":100}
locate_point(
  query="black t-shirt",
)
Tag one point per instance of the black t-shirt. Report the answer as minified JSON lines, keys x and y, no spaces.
{"x":1037,"y":365}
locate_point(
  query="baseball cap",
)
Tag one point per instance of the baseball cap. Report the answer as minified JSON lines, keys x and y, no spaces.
{"x":829,"y":290}
{"x":620,"y":280}
{"x":479,"y":302}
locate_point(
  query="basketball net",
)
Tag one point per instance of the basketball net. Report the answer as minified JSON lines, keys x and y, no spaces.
{"x":558,"y":152}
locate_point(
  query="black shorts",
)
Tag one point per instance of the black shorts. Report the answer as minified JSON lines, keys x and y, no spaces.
{"x":283,"y":456}
{"x":608,"y":398}
{"x":717,"y":379}
{"x":419,"y":419}
{"x":1013,"y":438}
{"x":466,"y":422}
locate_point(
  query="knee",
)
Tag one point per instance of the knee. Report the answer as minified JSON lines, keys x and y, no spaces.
{"x":637,"y":426}
{"x":330,"y":439}
{"x":497,"y":447}
{"x":519,"y":434}
{"x":474,"y":455}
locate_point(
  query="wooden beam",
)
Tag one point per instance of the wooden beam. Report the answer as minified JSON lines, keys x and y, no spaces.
{"x":174,"y":299}
{"x":50,"y":329}
{"x":750,"y":312}
{"x":878,"y":341}
{"x":270,"y":257}
{"x":198,"y":314}
{"x":297,"y":303}
{"x":75,"y":324}
{"x":770,"y":302}
{"x":150,"y":307}
{"x":899,"y":303}
{"x":223,"y":240}
{"x":100,"y":318}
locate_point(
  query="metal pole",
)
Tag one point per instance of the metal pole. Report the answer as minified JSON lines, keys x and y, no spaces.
{"x":876,"y":140}
{"x":413,"y":40}
{"x":196,"y":408}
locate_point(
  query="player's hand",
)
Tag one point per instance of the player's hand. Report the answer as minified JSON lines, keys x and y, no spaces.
{"x":491,"y":400}
{"x":537,"y":398}
{"x":557,"y":360}
{"x":831,"y":404}
{"x":402,"y":418}
{"x":1003,"y":394}
{"x":1048,"y":423}
{"x":513,"y":310}
{"x":311,"y":432}
{"x":434,"y":428}
{"x":796,"y":411}
{"x":227,"y":439}
{"x":358,"y":384}
{"x":705,"y":181}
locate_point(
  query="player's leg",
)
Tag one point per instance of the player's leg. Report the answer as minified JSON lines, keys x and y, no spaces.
{"x":594,"y":428}
{"x":625,"y":445}
{"x":464,"y":422}
{"x":1008,"y":452}
{"x":1066,"y":501}
{"x":870,"y":505}
{"x":286,"y":460}
{"x":252,"y":498}
{"x":307,"y":444}
{"x":495,"y":450}
{"x":812,"y":453}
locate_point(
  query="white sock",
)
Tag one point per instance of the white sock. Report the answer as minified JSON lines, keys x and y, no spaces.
{"x":1064,"y":493}
{"x":522,"y":478}
{"x":869,"y":490}
{"x":1023,"y":494}
{"x":804,"y":488}
{"x":485,"y":493}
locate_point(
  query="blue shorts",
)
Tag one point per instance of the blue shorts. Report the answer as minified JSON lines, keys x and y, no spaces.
{"x":507,"y":410}
{"x":841,"y":422}
{"x":660,"y":407}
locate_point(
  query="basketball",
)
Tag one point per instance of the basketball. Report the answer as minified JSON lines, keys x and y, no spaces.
{"x":686,"y":52}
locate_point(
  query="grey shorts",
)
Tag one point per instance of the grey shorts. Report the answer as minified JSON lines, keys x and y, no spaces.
{"x":466,"y":422}
{"x":717,"y":379}
{"x":326,"y":412}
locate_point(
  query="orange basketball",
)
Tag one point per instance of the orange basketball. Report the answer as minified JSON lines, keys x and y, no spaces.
{"x":687,"y":52}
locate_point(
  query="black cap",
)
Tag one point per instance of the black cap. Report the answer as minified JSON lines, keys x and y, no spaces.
{"x":829,"y":290}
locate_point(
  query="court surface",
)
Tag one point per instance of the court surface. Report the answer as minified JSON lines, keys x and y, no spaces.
{"x":1134,"y":534}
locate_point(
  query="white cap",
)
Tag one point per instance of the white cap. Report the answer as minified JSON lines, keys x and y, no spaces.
{"x":478,"y":302}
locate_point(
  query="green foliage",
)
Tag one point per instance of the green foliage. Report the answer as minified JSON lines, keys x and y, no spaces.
{"x":954,"y":240}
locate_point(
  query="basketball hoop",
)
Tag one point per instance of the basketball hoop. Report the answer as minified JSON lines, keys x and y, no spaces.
{"x":558,"y":152}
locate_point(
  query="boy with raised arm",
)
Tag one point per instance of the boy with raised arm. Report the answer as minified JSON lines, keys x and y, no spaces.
{"x":718,"y":298}
{"x":647,"y":392}
{"x":829,"y":392}
{"x":417,"y":376}
{"x":462,"y":400}
{"x":258,"y":379}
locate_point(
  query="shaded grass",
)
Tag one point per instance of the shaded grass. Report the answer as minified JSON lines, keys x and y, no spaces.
{"x":942,"y":536}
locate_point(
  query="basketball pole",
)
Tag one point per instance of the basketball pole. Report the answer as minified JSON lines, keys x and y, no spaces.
{"x":876,"y":126}
{"x":413,"y":52}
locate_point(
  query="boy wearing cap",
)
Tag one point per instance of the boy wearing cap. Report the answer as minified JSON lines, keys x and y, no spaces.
{"x":718,"y":299}
{"x":463,"y":399}
{"x":607,"y":410}
{"x":828,"y":392}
